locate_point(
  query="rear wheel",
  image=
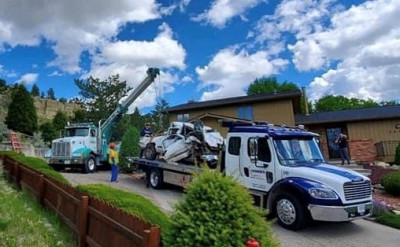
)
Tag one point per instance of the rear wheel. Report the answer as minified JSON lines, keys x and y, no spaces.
{"x":156,"y":179}
{"x":150,"y":152}
{"x":90,"y":165}
{"x":291,"y":213}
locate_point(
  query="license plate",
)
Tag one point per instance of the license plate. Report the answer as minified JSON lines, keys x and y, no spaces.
{"x":361,"y":208}
{"x":67,"y":162}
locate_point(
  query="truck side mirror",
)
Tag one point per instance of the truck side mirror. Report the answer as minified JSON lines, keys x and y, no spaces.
{"x":253,"y":149}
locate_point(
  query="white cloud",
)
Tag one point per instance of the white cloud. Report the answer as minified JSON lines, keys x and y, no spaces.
{"x":70,"y":26}
{"x":29,"y":78}
{"x":231,"y":71}
{"x":56,"y":73}
{"x":162,"y":51}
{"x":130,"y":59}
{"x":358,"y":48}
{"x":221,"y":11}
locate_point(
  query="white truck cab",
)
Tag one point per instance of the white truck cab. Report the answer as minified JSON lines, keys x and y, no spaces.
{"x":285,"y":167}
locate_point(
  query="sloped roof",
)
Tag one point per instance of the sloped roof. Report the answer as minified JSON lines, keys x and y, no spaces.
{"x":220,"y":117}
{"x":374,"y":113}
{"x":239,"y":100}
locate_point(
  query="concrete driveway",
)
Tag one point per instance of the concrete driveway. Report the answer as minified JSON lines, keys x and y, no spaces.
{"x":359,"y":233}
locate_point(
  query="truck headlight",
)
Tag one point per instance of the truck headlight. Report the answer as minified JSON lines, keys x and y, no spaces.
{"x":323,"y":193}
{"x":76,"y":155}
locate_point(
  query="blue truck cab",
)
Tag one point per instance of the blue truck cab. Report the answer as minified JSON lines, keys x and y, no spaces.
{"x":285,"y":168}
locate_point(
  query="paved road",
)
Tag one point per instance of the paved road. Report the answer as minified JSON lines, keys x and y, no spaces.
{"x":359,"y":233}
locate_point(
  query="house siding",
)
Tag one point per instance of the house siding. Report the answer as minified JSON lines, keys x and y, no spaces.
{"x":277,"y":112}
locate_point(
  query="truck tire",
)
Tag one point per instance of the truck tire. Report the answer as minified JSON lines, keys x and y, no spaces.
{"x":155,"y":179}
{"x":150,"y":152}
{"x":291,"y":213}
{"x":57,"y":167}
{"x":90,"y":165}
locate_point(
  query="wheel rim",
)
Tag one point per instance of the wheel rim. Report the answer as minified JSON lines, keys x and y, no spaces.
{"x":286,"y":211}
{"x":91,"y":164}
{"x":154,"y":179}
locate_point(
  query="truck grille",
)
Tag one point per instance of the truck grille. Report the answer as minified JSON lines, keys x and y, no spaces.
{"x":61,"y":149}
{"x":357,"y":190}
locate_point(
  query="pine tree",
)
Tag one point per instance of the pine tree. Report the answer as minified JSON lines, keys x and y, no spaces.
{"x":35,"y":92}
{"x":129,"y":147}
{"x":22,"y":116}
{"x":50,"y":94}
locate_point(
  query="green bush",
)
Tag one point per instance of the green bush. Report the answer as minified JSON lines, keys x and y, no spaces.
{"x":397,"y":157}
{"x":391,"y":183}
{"x":37,"y":164}
{"x":217,"y":211}
{"x":129,"y":148}
{"x":131,"y":203}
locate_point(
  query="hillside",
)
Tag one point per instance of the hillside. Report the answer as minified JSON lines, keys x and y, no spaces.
{"x":46,"y":109}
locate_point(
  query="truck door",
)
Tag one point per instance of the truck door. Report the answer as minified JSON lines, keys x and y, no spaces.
{"x":258,"y":168}
{"x":232,"y":158}
{"x":92,"y":140}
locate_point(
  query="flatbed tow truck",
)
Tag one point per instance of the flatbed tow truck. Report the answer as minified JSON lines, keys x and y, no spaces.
{"x":284,"y":168}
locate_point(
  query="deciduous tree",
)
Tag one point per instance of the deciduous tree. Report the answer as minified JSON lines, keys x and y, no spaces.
{"x":339,"y":102}
{"x":60,"y":120}
{"x":102,"y":96}
{"x":270,"y":85}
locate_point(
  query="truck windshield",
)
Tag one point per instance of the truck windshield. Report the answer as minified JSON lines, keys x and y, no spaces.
{"x":77,"y":132}
{"x":293,"y":151}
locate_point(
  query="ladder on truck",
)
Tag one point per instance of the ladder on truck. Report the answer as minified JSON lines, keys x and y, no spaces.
{"x":16,"y":146}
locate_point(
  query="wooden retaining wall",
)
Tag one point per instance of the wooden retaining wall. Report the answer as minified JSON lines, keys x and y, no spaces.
{"x":95,"y":223}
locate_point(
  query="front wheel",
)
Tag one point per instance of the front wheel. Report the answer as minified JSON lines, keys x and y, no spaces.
{"x":90,"y":165}
{"x":155,"y":179}
{"x":291,"y":213}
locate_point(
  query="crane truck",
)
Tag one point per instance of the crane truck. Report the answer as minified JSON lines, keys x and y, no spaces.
{"x":284,"y":169}
{"x":85,"y":145}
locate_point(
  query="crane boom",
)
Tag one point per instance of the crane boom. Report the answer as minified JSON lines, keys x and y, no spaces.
{"x":106,"y":126}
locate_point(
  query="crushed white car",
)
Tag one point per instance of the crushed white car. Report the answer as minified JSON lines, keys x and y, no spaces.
{"x":184,"y":141}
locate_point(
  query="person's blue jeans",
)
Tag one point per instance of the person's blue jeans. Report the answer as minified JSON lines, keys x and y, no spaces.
{"x":344,"y":155}
{"x":114,"y":173}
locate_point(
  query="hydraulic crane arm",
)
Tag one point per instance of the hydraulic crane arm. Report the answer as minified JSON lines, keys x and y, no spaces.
{"x":106,"y":126}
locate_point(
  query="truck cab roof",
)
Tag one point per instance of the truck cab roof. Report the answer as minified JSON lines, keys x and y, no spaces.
{"x":270,"y":129}
{"x":81,"y":125}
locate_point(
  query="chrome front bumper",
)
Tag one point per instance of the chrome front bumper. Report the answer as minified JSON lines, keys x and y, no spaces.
{"x":340,"y":213}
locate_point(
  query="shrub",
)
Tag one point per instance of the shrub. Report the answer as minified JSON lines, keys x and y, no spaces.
{"x":397,"y":156}
{"x":129,"y":147}
{"x":216,"y":211}
{"x":391,"y":183}
{"x":131,"y":203}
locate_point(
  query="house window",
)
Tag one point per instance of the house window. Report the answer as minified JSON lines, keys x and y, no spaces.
{"x":182,"y":117}
{"x":245,"y":112}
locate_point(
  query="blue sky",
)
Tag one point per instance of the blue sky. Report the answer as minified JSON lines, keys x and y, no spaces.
{"x":205,"y":49}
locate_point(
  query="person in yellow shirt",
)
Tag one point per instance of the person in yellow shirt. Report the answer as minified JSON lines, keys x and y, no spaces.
{"x":113,"y":160}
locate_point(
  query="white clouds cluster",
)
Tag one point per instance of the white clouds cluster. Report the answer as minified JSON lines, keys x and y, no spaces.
{"x":71,"y":26}
{"x":232,"y":70}
{"x":358,"y":47}
{"x":221,"y":11}
{"x":130,"y":59}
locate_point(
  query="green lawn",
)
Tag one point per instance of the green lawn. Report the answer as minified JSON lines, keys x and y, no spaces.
{"x":24,"y":223}
{"x":388,"y":219}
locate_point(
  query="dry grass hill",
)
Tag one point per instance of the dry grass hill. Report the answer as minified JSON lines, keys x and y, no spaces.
{"x":45,"y":108}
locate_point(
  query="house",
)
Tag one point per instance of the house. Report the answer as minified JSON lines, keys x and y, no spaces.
{"x":373,"y":133}
{"x":277,"y":108}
